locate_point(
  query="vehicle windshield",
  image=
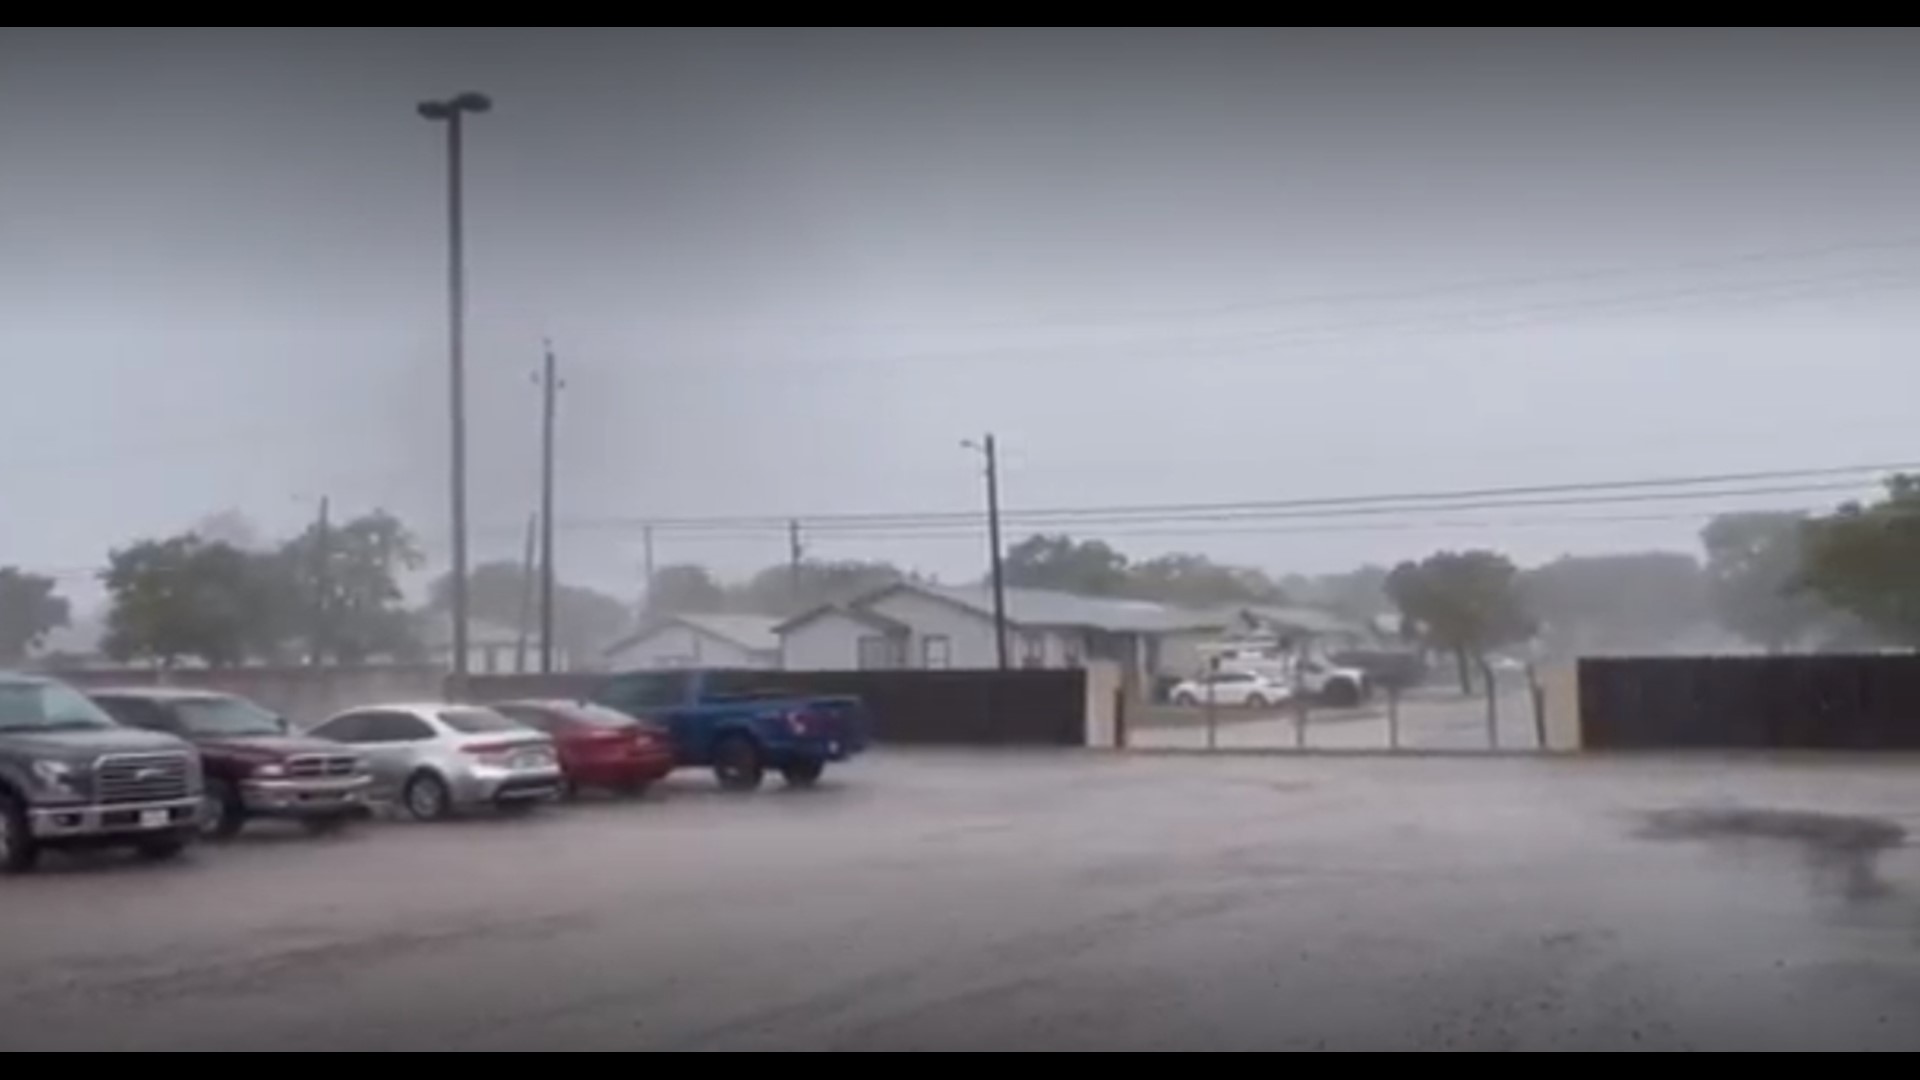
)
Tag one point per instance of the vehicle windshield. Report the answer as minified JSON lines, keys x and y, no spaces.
{"x":480,"y":722}
{"x":216,"y":717}
{"x":49,"y":706}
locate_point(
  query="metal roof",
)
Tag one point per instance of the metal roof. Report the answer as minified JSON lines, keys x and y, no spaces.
{"x":1047,"y":608}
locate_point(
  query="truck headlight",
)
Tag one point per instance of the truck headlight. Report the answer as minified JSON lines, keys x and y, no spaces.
{"x":270,"y":771}
{"x":59,"y":779}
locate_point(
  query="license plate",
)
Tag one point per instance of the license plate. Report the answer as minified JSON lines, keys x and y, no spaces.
{"x":155,"y":819}
{"x":530,"y":761}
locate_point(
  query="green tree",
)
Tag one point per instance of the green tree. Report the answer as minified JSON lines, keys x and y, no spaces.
{"x":1754,"y":563}
{"x":1195,"y":581}
{"x":781,"y":591}
{"x":1090,"y":568}
{"x":182,"y":598}
{"x":30,"y":609}
{"x":1865,"y":561}
{"x":1613,"y":602}
{"x":685,"y":590}
{"x":1464,"y":603}
{"x":1360,"y":595}
{"x":346,"y":593}
{"x":504,"y":593}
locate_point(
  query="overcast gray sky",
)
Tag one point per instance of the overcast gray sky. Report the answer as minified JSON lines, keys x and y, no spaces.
{"x":789,"y":271}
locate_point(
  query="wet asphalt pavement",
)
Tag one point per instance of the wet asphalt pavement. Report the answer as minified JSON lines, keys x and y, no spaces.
{"x":1030,"y":903}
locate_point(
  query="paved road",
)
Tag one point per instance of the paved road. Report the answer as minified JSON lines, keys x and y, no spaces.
{"x":1030,"y":903}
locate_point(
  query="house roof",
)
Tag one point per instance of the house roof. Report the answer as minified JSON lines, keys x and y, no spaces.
{"x":754,"y":633}
{"x":1305,"y":620}
{"x":1041,"y":608}
{"x":869,"y":618}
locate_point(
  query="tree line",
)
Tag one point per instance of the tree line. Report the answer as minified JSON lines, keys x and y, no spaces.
{"x":334,"y":595}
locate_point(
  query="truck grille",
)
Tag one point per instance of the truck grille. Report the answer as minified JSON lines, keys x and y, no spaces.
{"x":143,"y":778}
{"x":322,"y":765}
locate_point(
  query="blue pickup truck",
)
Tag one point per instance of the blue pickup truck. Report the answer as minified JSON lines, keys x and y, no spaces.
{"x":742,"y":724}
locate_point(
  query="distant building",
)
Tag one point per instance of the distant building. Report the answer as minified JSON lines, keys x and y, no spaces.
{"x":702,"y":641}
{"x":929,"y":627}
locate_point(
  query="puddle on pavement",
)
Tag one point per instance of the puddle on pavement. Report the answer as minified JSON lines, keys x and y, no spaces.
{"x":1842,"y":853}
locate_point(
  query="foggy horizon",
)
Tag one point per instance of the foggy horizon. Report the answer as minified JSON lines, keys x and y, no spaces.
{"x":787,"y":272}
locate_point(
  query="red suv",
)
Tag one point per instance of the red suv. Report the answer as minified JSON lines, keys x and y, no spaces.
{"x":599,"y":748}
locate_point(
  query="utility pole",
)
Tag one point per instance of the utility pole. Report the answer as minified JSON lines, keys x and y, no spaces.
{"x":990,"y":449}
{"x":550,"y":385}
{"x":452,"y":112}
{"x":796,"y":560}
{"x":322,"y":582}
{"x":527,"y":569}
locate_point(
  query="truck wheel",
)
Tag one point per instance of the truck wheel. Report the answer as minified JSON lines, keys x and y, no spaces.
{"x":427,"y":798}
{"x":738,"y":764}
{"x":19,"y":852}
{"x":1342,"y":694}
{"x":803,"y":774}
{"x":222,"y":814}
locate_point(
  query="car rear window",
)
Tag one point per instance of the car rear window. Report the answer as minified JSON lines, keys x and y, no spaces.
{"x":480,"y":722}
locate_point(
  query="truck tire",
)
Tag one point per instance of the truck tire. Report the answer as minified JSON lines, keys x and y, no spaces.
{"x":427,"y":797}
{"x":19,"y":852}
{"x":738,"y":763}
{"x":223,"y":814}
{"x":803,"y":774}
{"x":1342,"y":694}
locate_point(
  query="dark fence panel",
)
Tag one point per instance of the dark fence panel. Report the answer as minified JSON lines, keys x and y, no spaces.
{"x":1751,"y":703}
{"x":928,"y":708}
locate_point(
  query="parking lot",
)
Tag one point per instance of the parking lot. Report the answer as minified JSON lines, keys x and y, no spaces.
{"x":1028,"y":902}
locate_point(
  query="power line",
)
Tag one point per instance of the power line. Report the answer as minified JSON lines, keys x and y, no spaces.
{"x":1121,"y":513}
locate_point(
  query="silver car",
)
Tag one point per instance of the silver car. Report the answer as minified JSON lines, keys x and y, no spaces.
{"x":438,"y":759}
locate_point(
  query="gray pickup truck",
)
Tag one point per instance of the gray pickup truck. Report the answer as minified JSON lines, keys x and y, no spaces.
{"x":70,"y":777}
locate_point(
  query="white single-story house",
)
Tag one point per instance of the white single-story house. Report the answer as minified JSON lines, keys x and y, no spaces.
{"x":700,"y":641}
{"x":917,"y":626}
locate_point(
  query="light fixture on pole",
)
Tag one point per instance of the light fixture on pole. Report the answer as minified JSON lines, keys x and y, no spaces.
{"x":452,"y":112}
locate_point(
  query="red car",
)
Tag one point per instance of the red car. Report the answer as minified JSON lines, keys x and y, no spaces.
{"x":599,"y":748}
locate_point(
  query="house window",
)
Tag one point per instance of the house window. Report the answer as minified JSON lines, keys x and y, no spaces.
{"x":1033,"y":650}
{"x":1076,"y":653}
{"x":936,"y":653}
{"x":878,"y":653}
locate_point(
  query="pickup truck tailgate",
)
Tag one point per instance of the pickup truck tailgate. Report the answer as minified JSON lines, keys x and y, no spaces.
{"x":842,"y":720}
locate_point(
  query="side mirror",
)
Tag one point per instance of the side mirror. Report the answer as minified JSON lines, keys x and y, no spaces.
{"x":286,"y":725}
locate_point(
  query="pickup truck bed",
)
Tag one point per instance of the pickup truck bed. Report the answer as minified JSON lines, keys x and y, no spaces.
{"x":741,"y":724}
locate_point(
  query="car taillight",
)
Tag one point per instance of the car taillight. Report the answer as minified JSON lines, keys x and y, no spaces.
{"x":493,"y":752}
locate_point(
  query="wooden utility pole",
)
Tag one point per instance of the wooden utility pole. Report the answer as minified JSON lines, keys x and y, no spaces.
{"x":796,"y":560}
{"x":999,"y":554}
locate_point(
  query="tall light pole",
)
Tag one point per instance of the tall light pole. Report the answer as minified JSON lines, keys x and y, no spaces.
{"x":550,"y":384}
{"x":990,"y":449}
{"x":452,"y":112}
